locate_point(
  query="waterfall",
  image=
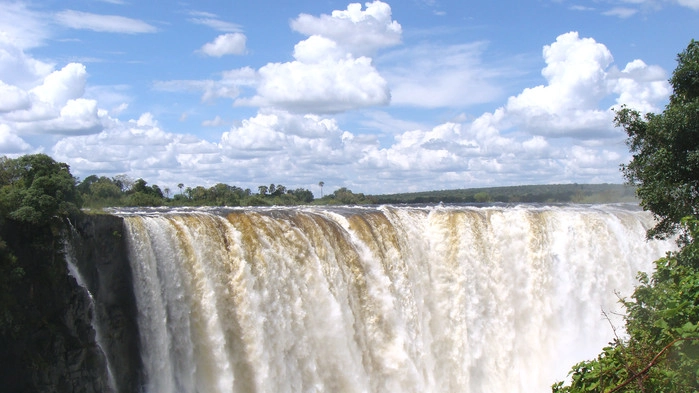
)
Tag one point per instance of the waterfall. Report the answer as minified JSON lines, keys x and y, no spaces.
{"x":381,"y":299}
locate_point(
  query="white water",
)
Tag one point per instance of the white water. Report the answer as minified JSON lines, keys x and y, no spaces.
{"x":394,"y":299}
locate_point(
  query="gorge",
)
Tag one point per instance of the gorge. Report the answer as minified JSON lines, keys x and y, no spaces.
{"x":358,"y":299}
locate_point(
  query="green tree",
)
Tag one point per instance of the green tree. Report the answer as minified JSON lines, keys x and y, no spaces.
{"x":661,"y":352}
{"x":35,"y":189}
{"x":143,"y":195}
{"x":665,"y":147}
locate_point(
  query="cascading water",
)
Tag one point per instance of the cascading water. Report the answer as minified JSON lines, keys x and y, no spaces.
{"x":389,"y":299}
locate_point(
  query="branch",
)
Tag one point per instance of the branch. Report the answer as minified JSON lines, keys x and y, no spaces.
{"x":652,"y":363}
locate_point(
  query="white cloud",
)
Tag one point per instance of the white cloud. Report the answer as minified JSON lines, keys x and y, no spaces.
{"x":359,"y":32}
{"x":11,"y":143}
{"x":103,"y":23}
{"x":22,"y":27}
{"x":327,"y":75}
{"x":13,"y":98}
{"x":212,"y":21}
{"x":621,"y":12}
{"x":62,"y":85}
{"x":19,"y":69}
{"x":225,"y":44}
{"x":323,"y":87}
{"x":331,"y":72}
{"x":43,"y":100}
{"x":568,"y":105}
{"x":215,"y":122}
{"x":138,"y":147}
{"x":226,"y":87}
{"x":640,"y":86}
{"x":433,"y":76}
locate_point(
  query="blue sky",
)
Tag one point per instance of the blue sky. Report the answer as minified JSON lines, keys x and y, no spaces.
{"x":378,"y":97}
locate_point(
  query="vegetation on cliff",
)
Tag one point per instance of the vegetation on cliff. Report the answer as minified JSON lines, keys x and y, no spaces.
{"x":46,"y":337}
{"x":660,"y":352}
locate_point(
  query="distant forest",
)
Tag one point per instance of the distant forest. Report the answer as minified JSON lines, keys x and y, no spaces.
{"x":549,"y":193}
{"x":99,"y":192}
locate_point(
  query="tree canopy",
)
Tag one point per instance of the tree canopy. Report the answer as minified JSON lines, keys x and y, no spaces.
{"x":35,"y":188}
{"x":665,"y":148}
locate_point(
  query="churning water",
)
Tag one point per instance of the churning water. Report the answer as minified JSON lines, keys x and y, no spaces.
{"x":388,"y":299}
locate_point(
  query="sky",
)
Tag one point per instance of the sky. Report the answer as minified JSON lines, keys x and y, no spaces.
{"x":379,"y":97}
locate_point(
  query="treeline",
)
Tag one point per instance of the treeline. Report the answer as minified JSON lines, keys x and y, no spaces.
{"x":546,"y":193}
{"x":99,"y":192}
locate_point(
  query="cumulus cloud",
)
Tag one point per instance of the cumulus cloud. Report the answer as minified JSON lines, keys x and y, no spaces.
{"x":328,"y":86}
{"x":19,"y":69}
{"x":55,"y":105}
{"x":225,"y":44}
{"x":331,"y":72}
{"x":359,"y":32}
{"x":13,"y":98}
{"x":103,"y":23}
{"x":640,"y":86}
{"x":139,"y":147}
{"x":579,"y":77}
{"x":62,"y":85}
{"x":11,"y":143}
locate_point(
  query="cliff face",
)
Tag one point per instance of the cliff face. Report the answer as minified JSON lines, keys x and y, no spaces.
{"x":49,"y":340}
{"x":47,"y":343}
{"x":100,"y":256}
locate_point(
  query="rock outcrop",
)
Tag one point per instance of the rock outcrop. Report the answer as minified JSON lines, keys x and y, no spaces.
{"x":100,"y":256}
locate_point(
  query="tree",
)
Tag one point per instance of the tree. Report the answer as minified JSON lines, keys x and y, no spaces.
{"x":124,"y":182}
{"x":665,"y":148}
{"x":143,"y":195}
{"x":661,"y":352}
{"x":262,"y":190}
{"x":180,"y":186}
{"x":35,"y":189}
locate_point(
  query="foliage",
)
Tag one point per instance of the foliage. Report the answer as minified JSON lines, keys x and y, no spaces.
{"x":344,"y":196}
{"x":36,"y":195}
{"x":34,"y":189}
{"x":99,"y":192}
{"x":661,"y":352}
{"x":665,"y":147}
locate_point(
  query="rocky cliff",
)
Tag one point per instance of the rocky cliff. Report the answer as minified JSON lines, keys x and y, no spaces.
{"x":100,"y":256}
{"x":50,"y":320}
